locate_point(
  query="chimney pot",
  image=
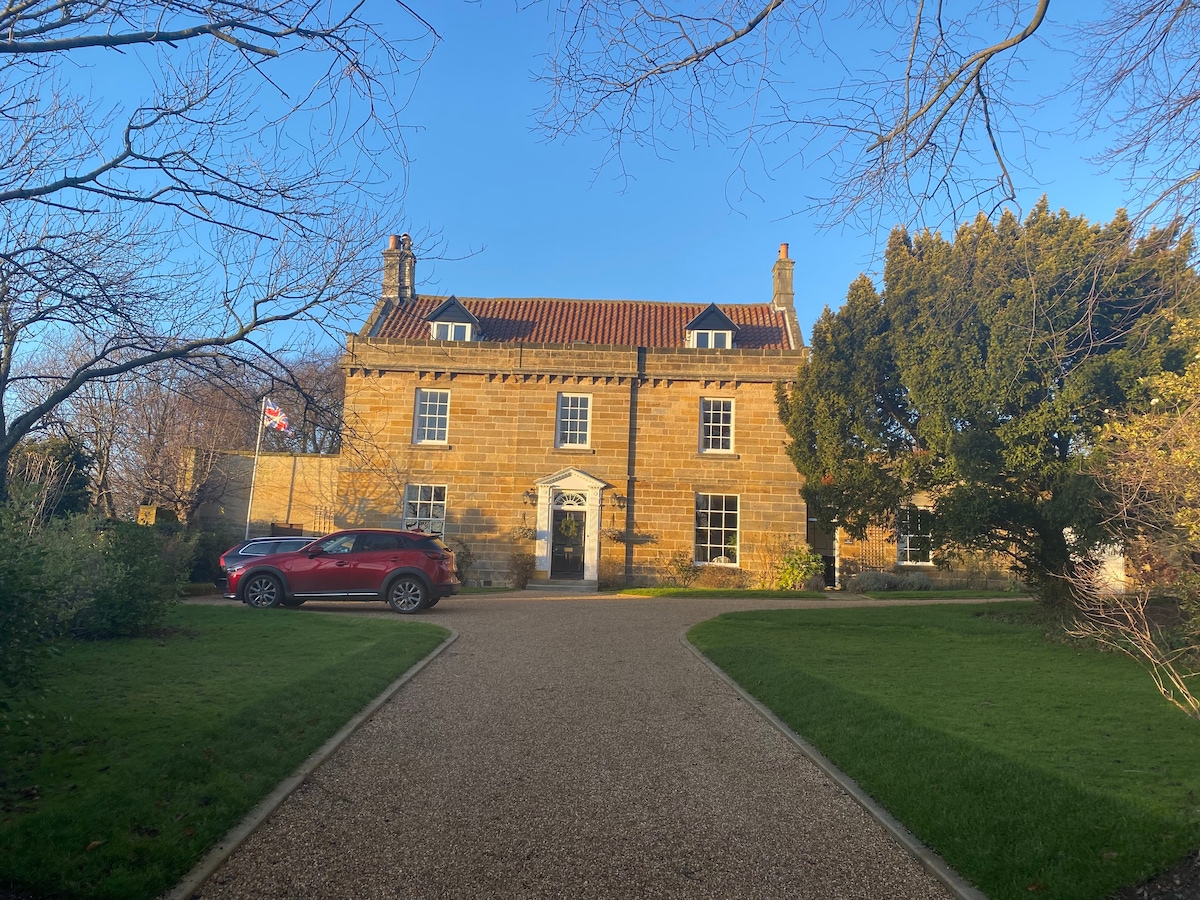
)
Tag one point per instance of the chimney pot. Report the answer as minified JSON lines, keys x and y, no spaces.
{"x":394,"y":242}
{"x":783,"y":251}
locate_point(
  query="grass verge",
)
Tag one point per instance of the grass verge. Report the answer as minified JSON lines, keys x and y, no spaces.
{"x":138,"y":754}
{"x":1033,"y":768}
{"x":725,"y":593}
{"x":945,"y":595}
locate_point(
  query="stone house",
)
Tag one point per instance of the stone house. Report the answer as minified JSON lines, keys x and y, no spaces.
{"x":603,"y":437}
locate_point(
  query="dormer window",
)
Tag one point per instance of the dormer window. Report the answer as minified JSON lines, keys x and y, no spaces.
{"x":719,"y":340}
{"x":711,"y":330}
{"x":452,"y":321}
{"x":450,"y":331}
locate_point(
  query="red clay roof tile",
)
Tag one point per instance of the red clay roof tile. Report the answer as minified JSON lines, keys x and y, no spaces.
{"x":624,"y":323}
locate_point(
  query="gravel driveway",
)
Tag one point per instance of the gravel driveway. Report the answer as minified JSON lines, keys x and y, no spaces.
{"x":569,"y":748}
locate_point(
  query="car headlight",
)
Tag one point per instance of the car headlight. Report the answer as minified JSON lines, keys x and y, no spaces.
{"x":232,"y":569}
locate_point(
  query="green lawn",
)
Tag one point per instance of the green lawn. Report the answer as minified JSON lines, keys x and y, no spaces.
{"x":727,"y":593}
{"x":139,"y":754}
{"x":1033,"y":768}
{"x":755,"y":594}
{"x":944,"y":595}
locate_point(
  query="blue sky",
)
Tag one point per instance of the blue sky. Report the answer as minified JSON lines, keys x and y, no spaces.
{"x":522,"y":217}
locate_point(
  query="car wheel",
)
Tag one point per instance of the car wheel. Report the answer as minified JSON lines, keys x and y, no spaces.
{"x":432,"y":603}
{"x":293,"y":601}
{"x":407,"y":595}
{"x":263,"y":591}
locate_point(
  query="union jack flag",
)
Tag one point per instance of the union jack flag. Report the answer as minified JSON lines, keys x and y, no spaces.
{"x":275,"y":418}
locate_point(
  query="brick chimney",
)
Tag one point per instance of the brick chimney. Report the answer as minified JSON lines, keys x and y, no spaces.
{"x":399,"y":269}
{"x":784,"y":297}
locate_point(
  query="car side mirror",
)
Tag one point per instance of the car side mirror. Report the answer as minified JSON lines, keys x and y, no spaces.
{"x":313,"y":554}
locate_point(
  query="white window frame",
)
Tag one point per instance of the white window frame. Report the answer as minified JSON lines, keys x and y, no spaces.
{"x":708,"y":339}
{"x":450,"y":331}
{"x":712,"y":435}
{"x":905,"y":551}
{"x":703,"y":552}
{"x":439,"y":431}
{"x":424,"y":508}
{"x":567,"y":437}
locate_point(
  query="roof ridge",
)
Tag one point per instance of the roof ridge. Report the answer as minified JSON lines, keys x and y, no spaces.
{"x":702,"y":303}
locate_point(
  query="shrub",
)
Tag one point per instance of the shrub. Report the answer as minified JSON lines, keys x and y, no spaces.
{"x":210,"y":545}
{"x":865,"y":582}
{"x":26,"y":614}
{"x":115,"y":579}
{"x":612,"y":573}
{"x":723,"y":578}
{"x":915,"y":581}
{"x":815,"y":582}
{"x":681,"y":570}
{"x":521,"y":567}
{"x":80,"y":576}
{"x":464,"y":558}
{"x":798,"y":565}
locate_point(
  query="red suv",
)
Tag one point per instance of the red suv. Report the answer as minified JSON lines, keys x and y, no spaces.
{"x":410,"y":570}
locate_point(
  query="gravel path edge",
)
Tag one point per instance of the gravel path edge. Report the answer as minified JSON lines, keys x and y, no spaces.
{"x":930,"y":861}
{"x":237,"y":835}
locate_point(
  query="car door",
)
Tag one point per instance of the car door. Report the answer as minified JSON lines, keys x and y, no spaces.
{"x":325,"y":569}
{"x":376,"y":554}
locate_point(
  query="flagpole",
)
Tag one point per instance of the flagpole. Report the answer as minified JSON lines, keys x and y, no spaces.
{"x":262,"y":415}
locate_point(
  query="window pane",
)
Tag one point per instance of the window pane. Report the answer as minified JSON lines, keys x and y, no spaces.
{"x":573,"y":418}
{"x":716,"y":424}
{"x":717,"y":528}
{"x":914,"y":538}
{"x":425,"y":508}
{"x":432,"y":416}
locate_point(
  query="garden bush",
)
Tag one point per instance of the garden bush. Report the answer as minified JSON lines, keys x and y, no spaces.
{"x":865,"y":582}
{"x":870,"y":582}
{"x":726,"y":578}
{"x":815,"y":582}
{"x":799,"y":564}
{"x":464,"y":559}
{"x":80,"y":577}
{"x":521,"y":567}
{"x":210,"y":544}
{"x":140,"y":573}
{"x":611,"y":576}
{"x":27,"y":618}
{"x":681,"y":570}
{"x":113,"y":578}
{"x":915,"y":581}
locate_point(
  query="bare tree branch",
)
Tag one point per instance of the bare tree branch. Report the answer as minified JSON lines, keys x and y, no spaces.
{"x":216,"y":218}
{"x":912,"y":111}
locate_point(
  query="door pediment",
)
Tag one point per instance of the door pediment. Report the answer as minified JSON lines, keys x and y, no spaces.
{"x":573,"y":479}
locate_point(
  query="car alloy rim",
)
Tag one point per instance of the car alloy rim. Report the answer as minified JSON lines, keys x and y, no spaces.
{"x":407,"y":595}
{"x":260,"y":592}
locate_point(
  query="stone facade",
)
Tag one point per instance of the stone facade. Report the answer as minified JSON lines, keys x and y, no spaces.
{"x":641,"y":476}
{"x":292,"y":493}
